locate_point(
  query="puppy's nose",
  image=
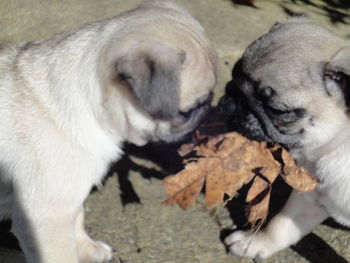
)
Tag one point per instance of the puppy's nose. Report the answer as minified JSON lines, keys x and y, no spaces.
{"x":226,"y":106}
{"x":228,"y":103}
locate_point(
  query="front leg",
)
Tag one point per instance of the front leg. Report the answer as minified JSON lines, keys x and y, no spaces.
{"x":90,"y":251}
{"x":299,"y":216}
{"x":46,"y":205}
{"x":45,"y":231}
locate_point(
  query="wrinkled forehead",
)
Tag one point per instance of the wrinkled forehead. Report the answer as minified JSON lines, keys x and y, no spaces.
{"x":290,"y":54}
{"x":283,"y":73}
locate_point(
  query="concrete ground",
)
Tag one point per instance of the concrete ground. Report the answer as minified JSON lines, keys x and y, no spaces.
{"x":126,"y":212}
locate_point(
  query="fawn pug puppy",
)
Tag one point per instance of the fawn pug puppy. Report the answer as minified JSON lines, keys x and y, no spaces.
{"x":294,"y":84}
{"x":67,"y":104}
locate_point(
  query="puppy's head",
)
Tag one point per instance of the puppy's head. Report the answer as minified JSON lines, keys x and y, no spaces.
{"x":162,"y":70}
{"x":293,"y":85}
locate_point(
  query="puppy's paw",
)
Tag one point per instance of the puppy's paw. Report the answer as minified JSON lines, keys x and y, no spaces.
{"x":94,"y":252}
{"x":247,"y":244}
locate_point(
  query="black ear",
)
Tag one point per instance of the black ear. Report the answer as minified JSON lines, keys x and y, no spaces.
{"x":336,"y":74}
{"x":152,"y":72}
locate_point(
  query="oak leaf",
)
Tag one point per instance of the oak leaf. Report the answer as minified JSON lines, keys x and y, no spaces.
{"x":226,"y":162}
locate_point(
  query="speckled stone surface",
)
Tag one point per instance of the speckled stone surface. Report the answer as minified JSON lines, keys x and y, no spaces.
{"x":147,"y":232}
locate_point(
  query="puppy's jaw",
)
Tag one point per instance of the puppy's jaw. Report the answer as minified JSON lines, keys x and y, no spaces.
{"x":181,"y":126}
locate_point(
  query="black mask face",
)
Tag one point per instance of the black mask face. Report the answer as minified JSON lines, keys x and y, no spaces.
{"x":233,"y":106}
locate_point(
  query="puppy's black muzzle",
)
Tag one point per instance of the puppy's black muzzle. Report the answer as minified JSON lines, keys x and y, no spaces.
{"x":233,"y":106}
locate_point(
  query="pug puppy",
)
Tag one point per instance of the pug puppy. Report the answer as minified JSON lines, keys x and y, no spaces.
{"x":67,"y":105}
{"x":293,"y":86}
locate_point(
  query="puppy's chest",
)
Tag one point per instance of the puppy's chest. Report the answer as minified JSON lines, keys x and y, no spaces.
{"x":333,"y":190}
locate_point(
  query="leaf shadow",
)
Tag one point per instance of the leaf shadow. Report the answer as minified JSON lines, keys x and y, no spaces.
{"x":312,"y":247}
{"x":237,"y":206}
{"x":148,"y":154}
{"x":316,"y":250}
{"x":337,"y":11}
{"x":164,"y":155}
{"x":8,"y":240}
{"x":244,"y":2}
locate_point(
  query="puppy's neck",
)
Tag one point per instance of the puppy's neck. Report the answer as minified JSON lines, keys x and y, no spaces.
{"x":341,"y":139}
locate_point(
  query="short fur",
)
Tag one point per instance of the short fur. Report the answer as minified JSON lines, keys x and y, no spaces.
{"x":295,"y":80}
{"x":67,"y":104}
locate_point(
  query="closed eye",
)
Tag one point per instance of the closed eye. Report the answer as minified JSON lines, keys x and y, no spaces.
{"x":275,"y":110}
{"x":285,"y":115}
{"x":264,"y":96}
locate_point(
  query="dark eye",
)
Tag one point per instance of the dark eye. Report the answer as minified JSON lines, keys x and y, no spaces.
{"x":275,"y":110}
{"x":287,"y":116}
{"x":299,"y":113}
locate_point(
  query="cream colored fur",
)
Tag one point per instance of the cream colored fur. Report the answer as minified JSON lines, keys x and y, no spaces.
{"x":292,"y":60}
{"x":64,"y":116}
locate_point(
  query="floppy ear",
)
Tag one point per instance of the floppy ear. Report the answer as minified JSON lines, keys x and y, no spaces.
{"x":336,"y":74}
{"x":152,"y":72}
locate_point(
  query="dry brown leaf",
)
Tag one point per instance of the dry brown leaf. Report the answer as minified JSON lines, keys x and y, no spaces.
{"x":258,"y":199}
{"x":227,"y":162}
{"x":297,"y":178}
{"x":185,"y":187}
{"x":267,"y":176}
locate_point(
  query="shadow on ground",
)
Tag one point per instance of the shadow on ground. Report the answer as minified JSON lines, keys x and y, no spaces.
{"x":162,"y":155}
{"x":8,"y":240}
{"x":312,"y":247}
{"x":337,"y":11}
{"x":316,"y":250}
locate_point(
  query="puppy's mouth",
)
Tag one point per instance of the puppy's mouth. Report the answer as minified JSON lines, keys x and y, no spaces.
{"x":184,"y":122}
{"x":201,"y":107}
{"x":233,"y":107}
